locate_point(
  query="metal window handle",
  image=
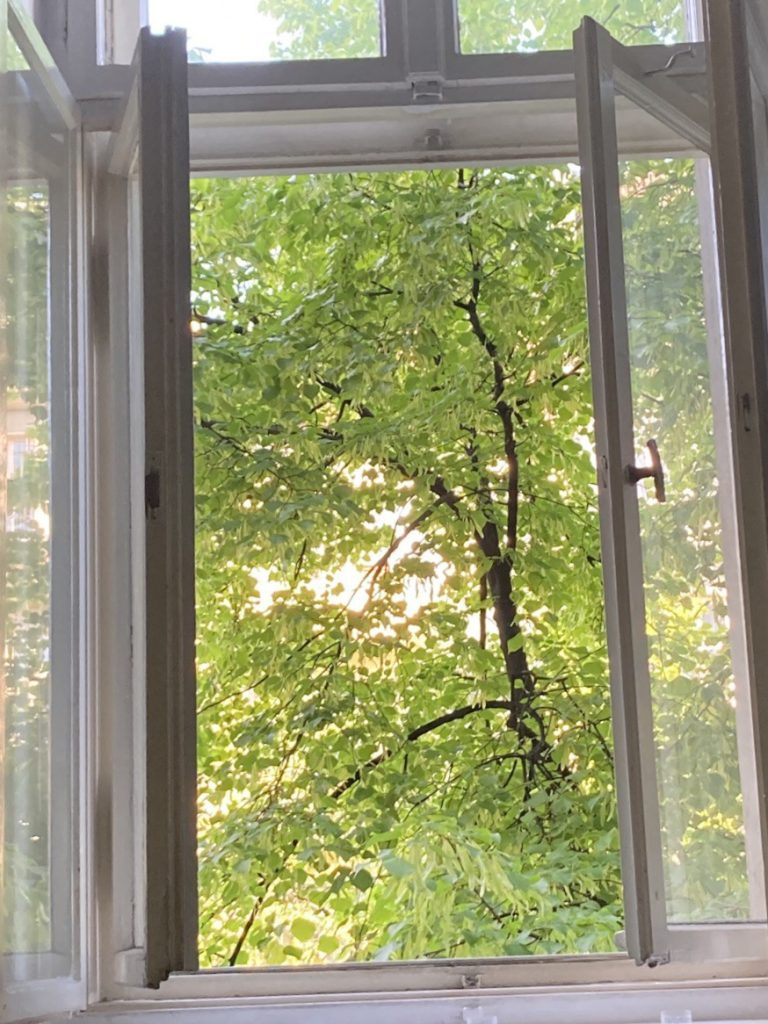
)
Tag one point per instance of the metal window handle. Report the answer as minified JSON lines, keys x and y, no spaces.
{"x":653,"y":472}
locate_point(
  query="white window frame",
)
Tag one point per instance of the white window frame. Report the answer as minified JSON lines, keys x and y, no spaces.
{"x":422,"y":104}
{"x":54,"y":982}
{"x":739,"y":94}
{"x":435,"y":64}
{"x":606,"y":72}
{"x":600,"y":72}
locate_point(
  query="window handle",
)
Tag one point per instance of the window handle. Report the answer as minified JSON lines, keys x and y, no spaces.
{"x":653,"y":472}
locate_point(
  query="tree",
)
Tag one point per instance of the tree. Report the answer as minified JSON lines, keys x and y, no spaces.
{"x":492,"y":26}
{"x":404,"y":716}
{"x":308,"y":29}
{"x":338,"y":29}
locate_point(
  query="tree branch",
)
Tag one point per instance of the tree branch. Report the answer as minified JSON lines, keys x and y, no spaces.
{"x":415,"y":734}
{"x":377,"y":568}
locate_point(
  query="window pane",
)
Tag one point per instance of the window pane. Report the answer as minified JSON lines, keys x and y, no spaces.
{"x":497,"y":26}
{"x":35,"y":681}
{"x":697,"y":697}
{"x":258,"y":30}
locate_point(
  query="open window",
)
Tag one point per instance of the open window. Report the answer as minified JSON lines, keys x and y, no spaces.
{"x":683,"y":709}
{"x":679,"y":626}
{"x":681,"y":425}
{"x":154,"y":718}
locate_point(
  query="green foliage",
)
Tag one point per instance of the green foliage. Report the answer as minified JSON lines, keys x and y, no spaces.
{"x":404,"y":715}
{"x":493,"y":26}
{"x":323,"y":29}
{"x":341,"y":599}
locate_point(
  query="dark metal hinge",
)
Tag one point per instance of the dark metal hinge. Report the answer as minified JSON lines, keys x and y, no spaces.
{"x":152,"y":493}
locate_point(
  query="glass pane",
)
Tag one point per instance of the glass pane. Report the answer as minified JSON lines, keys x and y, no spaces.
{"x":35,"y":702}
{"x":258,"y":30}
{"x":692,"y":639}
{"x":498,"y":26}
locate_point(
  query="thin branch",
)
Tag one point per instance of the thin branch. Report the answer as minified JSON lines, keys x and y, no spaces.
{"x":574,"y":371}
{"x":483,"y":639}
{"x":231,"y":695}
{"x":436,"y":723}
{"x":226,"y":439}
{"x":378,"y":567}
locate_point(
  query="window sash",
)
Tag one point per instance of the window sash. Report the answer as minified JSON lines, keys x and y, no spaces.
{"x":53,"y":981}
{"x":421,"y":87}
{"x":636,"y":785}
{"x":739,"y":51}
{"x":149,"y":206}
{"x":605,"y":70}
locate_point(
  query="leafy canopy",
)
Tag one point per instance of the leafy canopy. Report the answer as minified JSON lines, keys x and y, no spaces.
{"x":404,"y":714}
{"x":338,"y":29}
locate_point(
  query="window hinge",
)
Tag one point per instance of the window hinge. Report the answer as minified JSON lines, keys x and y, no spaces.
{"x":152,"y":493}
{"x":746,"y":412}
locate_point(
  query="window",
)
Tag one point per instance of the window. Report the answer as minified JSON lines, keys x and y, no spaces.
{"x":274,"y":31}
{"x":498,"y":26}
{"x":39,"y":531}
{"x":245,"y":312}
{"x":644,"y":550}
{"x":422,"y":99}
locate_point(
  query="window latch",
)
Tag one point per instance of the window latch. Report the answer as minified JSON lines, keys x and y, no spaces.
{"x":655,"y":472}
{"x":152,"y":493}
{"x":427,"y":90}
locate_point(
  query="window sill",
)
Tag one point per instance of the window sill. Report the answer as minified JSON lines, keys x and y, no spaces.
{"x":745,"y":1000}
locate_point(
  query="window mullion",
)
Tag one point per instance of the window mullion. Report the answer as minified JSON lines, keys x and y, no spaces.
{"x":425,"y":36}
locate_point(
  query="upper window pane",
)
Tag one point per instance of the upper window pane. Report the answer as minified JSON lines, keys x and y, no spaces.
{"x":260,"y":30}
{"x":498,"y":26}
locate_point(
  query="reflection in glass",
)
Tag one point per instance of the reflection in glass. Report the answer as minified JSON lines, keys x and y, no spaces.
{"x":26,"y":556}
{"x":687,"y":613}
{"x":261,"y":30}
{"x":499,"y":26}
{"x":35,"y":818}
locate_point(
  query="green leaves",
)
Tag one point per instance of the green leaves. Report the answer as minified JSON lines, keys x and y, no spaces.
{"x":340,"y":606}
{"x":303,"y":929}
{"x":396,"y":866}
{"x":362,"y":880}
{"x":350,"y":452}
{"x":492,"y":26}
